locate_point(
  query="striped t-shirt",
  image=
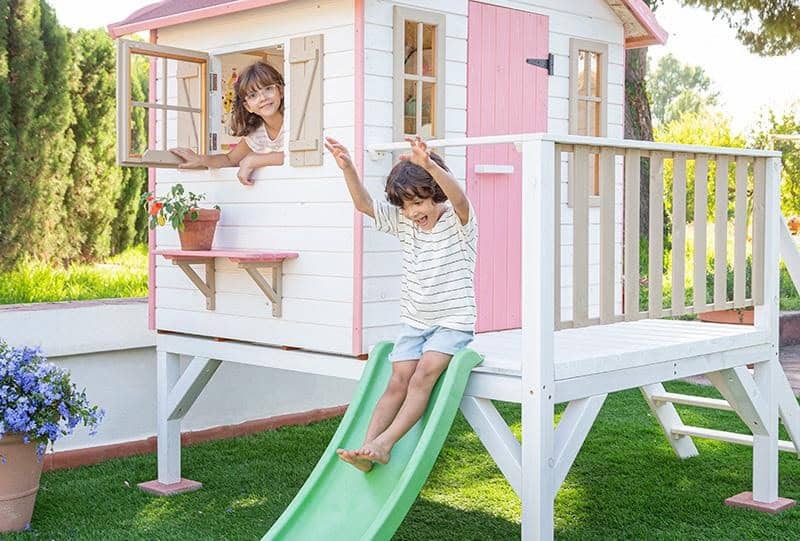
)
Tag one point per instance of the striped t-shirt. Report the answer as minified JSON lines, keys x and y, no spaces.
{"x":437,"y":286}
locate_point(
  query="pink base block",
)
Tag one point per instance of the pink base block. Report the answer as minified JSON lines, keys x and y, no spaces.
{"x":745,"y":500}
{"x":160,"y":489}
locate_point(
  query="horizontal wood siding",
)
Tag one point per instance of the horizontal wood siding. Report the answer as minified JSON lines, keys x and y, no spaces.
{"x":305,"y":210}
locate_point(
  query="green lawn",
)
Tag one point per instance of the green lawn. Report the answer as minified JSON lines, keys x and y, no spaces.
{"x":124,"y":275}
{"x":626,"y":484}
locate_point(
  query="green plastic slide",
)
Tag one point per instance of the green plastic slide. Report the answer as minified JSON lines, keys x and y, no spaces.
{"x":338,"y":502}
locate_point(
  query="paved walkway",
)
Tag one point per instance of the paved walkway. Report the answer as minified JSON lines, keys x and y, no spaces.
{"x":790,"y":360}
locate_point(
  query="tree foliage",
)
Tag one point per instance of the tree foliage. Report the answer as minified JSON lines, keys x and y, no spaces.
{"x":766,"y":27}
{"x":675,"y":88}
{"x":787,"y":123}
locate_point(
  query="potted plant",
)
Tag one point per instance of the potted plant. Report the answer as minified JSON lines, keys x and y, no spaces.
{"x":38,"y":405}
{"x":195,"y":225}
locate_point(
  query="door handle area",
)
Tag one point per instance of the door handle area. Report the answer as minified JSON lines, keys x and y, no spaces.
{"x":494,"y":169}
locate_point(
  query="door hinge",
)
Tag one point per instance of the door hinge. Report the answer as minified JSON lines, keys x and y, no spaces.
{"x":213,"y":82}
{"x":546,"y":63}
{"x":212,"y":141}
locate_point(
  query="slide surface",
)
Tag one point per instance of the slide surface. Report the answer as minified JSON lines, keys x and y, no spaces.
{"x":338,"y":502}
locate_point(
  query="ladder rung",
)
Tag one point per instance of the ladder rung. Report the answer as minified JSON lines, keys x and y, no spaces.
{"x":730,"y":437}
{"x":691,"y":400}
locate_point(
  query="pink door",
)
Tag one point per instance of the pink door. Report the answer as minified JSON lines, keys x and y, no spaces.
{"x":504,"y":95}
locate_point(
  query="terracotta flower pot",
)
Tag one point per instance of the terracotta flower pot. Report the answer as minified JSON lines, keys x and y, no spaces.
{"x":742,"y":316}
{"x":19,"y":482}
{"x":199,"y":234}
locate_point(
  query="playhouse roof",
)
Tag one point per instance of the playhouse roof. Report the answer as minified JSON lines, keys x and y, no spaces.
{"x":641,"y":27}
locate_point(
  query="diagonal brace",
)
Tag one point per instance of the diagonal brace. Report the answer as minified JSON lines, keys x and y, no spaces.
{"x":739,"y":388}
{"x":207,"y":287}
{"x":273,"y":292}
{"x":189,"y":386}
{"x":571,"y":431}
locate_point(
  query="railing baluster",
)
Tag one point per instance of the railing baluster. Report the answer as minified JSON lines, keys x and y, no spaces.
{"x":557,"y":242}
{"x":740,"y":233}
{"x":580,"y":236}
{"x":678,"y":234}
{"x":759,"y":185}
{"x":607,"y":248}
{"x":631,"y":238}
{"x":656,"y":240}
{"x":721,"y":234}
{"x":700,"y":215}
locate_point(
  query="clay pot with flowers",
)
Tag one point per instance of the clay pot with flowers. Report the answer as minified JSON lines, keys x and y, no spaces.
{"x":38,"y":405}
{"x":195,"y":225}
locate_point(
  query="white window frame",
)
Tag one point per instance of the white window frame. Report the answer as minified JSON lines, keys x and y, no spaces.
{"x":601,"y":49}
{"x":125,"y":104}
{"x":401,"y":15}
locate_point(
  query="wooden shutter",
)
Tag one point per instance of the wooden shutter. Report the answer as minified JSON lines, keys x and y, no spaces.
{"x":305,"y":137}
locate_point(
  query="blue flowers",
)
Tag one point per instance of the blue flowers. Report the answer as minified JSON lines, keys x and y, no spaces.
{"x":38,"y":400}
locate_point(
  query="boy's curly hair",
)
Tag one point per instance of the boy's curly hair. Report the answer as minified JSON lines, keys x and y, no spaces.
{"x":407,"y":181}
{"x":255,"y":76}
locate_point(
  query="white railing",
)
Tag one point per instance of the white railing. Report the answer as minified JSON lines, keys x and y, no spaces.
{"x":735,"y":178}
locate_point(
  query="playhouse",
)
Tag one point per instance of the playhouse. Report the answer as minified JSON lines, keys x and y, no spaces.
{"x":525,"y":101}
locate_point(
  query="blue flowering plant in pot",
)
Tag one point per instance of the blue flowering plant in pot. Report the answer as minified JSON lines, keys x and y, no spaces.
{"x":38,"y":405}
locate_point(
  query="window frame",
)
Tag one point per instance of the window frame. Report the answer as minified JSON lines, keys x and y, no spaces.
{"x":599,"y":48}
{"x":125,"y":104}
{"x":401,"y":15}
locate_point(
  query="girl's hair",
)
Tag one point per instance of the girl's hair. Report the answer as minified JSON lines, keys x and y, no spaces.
{"x":254,"y":77}
{"x":407,"y":181}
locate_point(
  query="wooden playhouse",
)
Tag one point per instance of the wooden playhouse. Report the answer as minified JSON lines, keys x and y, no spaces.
{"x":525,"y":100}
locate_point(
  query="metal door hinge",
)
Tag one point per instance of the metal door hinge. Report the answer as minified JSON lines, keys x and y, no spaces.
{"x":546,"y":63}
{"x":213,"y":82}
{"x":212,"y":141}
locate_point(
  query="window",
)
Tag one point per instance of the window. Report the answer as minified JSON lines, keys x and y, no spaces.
{"x":188,"y":106}
{"x":418,"y":73}
{"x":588,"y":100}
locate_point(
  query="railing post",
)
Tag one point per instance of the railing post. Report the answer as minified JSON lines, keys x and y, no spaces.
{"x":765,"y":448}
{"x":538,"y":251}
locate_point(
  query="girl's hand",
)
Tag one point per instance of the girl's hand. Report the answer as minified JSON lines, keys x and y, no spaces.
{"x":420,"y":155}
{"x":246,"y":168}
{"x":340,"y":154}
{"x":191,"y":160}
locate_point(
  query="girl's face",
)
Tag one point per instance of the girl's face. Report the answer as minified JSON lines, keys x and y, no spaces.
{"x":264,"y":101}
{"x":424,"y":212}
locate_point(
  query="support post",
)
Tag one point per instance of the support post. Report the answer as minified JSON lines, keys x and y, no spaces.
{"x":169,"y":480}
{"x":538,"y":251}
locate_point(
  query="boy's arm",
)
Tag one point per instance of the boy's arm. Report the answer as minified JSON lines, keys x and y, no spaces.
{"x":446,"y":181}
{"x":361,"y":198}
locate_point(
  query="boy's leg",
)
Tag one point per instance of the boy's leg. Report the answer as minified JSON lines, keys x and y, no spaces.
{"x":385,"y":410}
{"x":428,"y":370}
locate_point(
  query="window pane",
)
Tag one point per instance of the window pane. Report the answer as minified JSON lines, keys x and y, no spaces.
{"x":411,"y":47}
{"x":582,"y":73}
{"x":410,"y":107}
{"x":427,"y":129}
{"x":596,"y":128}
{"x":581,"y":117}
{"x":428,"y":50}
{"x":594,"y":74}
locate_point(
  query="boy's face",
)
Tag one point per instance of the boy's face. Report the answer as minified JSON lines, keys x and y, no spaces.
{"x":422,"y":211}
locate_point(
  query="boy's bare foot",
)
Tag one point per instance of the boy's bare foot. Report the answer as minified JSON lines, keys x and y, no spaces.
{"x":374,"y":453}
{"x":351,"y":457}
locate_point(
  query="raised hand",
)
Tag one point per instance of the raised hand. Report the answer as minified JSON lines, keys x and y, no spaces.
{"x":340,"y":154}
{"x":420,"y":155}
{"x":191,"y":160}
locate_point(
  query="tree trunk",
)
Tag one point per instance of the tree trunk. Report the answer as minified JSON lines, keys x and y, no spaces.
{"x":638,"y":123}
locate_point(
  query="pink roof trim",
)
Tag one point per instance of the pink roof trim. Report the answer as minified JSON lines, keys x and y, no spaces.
{"x":645,"y":16}
{"x":172,"y":12}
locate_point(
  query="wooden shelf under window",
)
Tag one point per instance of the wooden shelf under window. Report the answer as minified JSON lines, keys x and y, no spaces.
{"x":251,"y":261}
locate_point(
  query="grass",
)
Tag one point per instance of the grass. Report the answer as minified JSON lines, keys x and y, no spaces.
{"x":124,"y":275}
{"x":626,"y":484}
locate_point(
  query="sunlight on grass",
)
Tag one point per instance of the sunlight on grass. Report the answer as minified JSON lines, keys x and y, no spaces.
{"x":124,"y":275}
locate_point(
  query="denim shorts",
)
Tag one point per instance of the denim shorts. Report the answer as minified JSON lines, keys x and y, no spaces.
{"x":412,"y":342}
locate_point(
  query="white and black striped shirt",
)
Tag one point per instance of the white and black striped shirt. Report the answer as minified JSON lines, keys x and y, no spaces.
{"x":437,"y":286}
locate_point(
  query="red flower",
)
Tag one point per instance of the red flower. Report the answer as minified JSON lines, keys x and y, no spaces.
{"x":151,"y":198}
{"x":155,"y":208}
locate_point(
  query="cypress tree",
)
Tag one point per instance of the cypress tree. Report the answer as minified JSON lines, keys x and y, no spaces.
{"x":90,"y":200}
{"x":7,"y":142}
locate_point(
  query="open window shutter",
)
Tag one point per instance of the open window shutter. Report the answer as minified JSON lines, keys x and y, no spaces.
{"x":305,"y":137}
